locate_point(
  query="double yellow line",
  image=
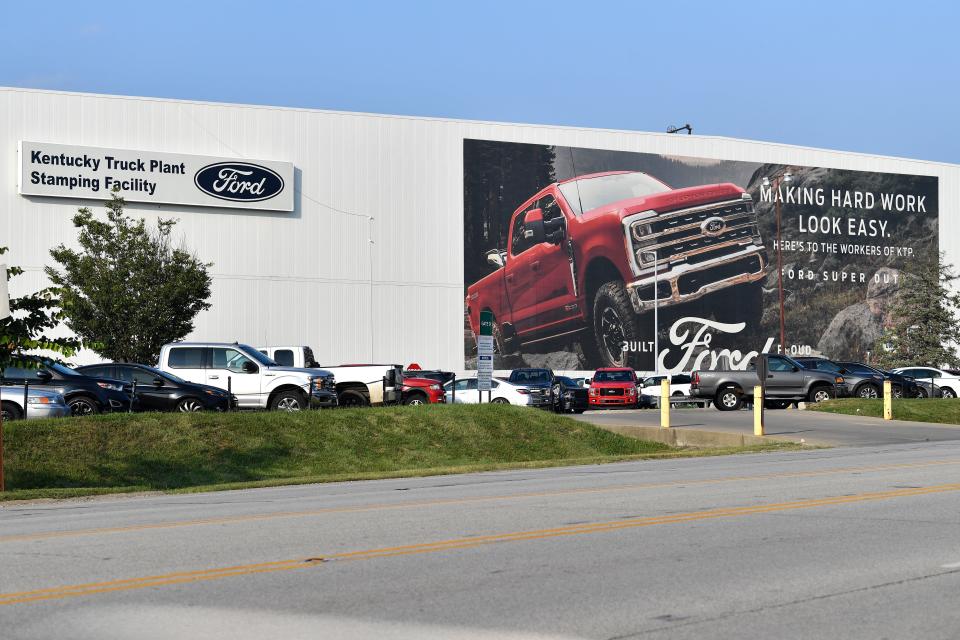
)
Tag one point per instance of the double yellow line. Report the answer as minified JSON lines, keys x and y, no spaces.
{"x":460,"y":501}
{"x":92,"y":588}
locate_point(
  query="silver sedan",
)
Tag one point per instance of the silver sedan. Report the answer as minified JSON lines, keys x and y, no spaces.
{"x":40,"y":404}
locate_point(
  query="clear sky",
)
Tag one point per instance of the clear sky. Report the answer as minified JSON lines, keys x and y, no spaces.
{"x":877,"y":77}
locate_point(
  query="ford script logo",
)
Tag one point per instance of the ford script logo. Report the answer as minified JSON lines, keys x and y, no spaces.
{"x":713,"y":226}
{"x":238,"y":181}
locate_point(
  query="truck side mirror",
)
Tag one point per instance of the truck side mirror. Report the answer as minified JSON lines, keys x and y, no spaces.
{"x":249,"y":367}
{"x":495,"y":258}
{"x":554,"y":230}
{"x":533,"y":226}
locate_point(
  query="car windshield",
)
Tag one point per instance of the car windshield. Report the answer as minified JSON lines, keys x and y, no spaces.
{"x":567,"y":382}
{"x":536,"y":376}
{"x":613,"y":376}
{"x":59,"y":368}
{"x":858,"y":368}
{"x":164,"y":374}
{"x":252,"y":353}
{"x":588,"y":194}
{"x":820,"y":365}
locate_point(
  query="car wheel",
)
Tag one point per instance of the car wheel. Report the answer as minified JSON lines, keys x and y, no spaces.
{"x":416,"y":400}
{"x":821,"y":393}
{"x":82,"y":406}
{"x":947,"y":392}
{"x":189,"y":405}
{"x":288,"y":401}
{"x":727,"y":399}
{"x":614,"y":323}
{"x":352,"y":399}
{"x":499,"y":401}
{"x":10,"y":411}
{"x":868,"y":391}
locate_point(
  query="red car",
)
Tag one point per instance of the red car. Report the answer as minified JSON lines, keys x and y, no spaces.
{"x":614,"y":387}
{"x":581,"y":260}
{"x":418,"y":391}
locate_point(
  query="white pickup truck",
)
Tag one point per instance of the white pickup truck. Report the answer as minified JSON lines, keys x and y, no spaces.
{"x":257,"y":381}
{"x":358,"y":385}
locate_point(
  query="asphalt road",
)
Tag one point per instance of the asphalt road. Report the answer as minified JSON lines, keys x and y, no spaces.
{"x":813,"y":427}
{"x":846,"y":542}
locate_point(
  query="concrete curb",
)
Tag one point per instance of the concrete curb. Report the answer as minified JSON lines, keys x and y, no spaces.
{"x":682,"y":437}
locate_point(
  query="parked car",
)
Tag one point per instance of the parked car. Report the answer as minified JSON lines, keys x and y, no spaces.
{"x":568,"y":396}
{"x":85,"y":395}
{"x":949,"y":383}
{"x":900,"y":386}
{"x":859,"y":381}
{"x":502,"y":392}
{"x":614,"y":387}
{"x":679,"y":385}
{"x":417,"y":391}
{"x":538,"y":381}
{"x":40,"y":404}
{"x":787,"y":381}
{"x":591,"y":241}
{"x":357,"y":385}
{"x":161,"y":391}
{"x":256,"y":380}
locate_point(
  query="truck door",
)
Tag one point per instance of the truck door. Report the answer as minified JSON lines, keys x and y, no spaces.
{"x":783,"y":379}
{"x":522,"y":273}
{"x":243,"y":374}
{"x":556,"y":301}
{"x":188,"y":363}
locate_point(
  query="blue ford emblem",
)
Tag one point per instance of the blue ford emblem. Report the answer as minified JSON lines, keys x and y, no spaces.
{"x":713,"y":226}
{"x":238,"y":181}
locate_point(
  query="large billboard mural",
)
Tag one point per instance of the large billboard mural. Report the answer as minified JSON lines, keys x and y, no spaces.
{"x":590,"y":257}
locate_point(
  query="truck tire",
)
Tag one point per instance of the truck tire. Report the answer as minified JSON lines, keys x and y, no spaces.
{"x":416,"y":399}
{"x":351,"y":398}
{"x":868,"y":391}
{"x":614,"y":323}
{"x":288,"y":401}
{"x":821,"y":392}
{"x":10,"y":411}
{"x":728,"y":399}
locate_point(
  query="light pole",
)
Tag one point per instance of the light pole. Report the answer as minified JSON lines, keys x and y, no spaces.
{"x":646,"y":255}
{"x":777,"y":180}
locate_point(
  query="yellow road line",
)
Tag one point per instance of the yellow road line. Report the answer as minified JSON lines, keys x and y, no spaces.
{"x":459,"y":501}
{"x":182,"y":577}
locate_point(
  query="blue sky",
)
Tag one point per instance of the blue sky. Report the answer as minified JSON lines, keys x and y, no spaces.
{"x":876,"y":77}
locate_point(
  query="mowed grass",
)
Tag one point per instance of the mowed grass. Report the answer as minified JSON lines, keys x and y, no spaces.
{"x":123,"y":452}
{"x":940,"y":410}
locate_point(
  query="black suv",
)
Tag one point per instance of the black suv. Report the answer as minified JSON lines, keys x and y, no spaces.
{"x":85,"y":395}
{"x":160,"y":391}
{"x":568,"y":396}
{"x":540,"y":383}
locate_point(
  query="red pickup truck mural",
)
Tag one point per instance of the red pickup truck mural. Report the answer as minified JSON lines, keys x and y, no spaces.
{"x":584,"y":254}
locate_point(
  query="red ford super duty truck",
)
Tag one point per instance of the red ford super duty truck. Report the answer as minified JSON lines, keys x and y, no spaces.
{"x":582,"y":255}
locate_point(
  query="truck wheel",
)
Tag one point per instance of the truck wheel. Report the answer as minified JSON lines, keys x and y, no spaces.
{"x":288,"y":401}
{"x":352,"y":399}
{"x":416,"y":400}
{"x":10,"y":411}
{"x":868,"y":391}
{"x":614,"y":323}
{"x":728,"y":399}
{"x":821,"y":393}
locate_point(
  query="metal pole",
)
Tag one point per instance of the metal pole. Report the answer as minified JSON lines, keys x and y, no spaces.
{"x":230,"y":392}
{"x":656,"y":309}
{"x":2,"y":485}
{"x":783,"y":340}
{"x":133,"y":397}
{"x":26,"y":389}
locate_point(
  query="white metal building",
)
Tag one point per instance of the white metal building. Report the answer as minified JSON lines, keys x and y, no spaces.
{"x":368,"y":266}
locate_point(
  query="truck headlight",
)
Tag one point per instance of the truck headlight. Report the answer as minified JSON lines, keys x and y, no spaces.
{"x":434,"y":387}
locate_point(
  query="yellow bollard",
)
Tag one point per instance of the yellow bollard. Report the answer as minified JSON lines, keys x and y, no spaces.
{"x":887,"y":400}
{"x":665,"y":403}
{"x":758,"y":410}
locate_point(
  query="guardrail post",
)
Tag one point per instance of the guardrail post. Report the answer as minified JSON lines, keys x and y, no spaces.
{"x":133,"y":397}
{"x":758,"y":411}
{"x":665,"y":403}
{"x":887,"y":400}
{"x":26,"y":389}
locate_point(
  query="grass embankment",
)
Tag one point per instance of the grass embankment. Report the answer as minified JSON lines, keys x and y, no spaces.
{"x":142,"y":452}
{"x":940,"y":410}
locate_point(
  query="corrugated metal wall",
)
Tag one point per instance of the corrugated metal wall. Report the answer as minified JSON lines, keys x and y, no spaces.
{"x":356,"y":289}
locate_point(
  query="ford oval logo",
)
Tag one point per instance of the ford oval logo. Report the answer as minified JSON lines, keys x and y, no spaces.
{"x":238,"y":181}
{"x":713,"y":226}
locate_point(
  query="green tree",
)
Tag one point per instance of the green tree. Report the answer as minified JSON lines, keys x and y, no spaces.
{"x":28,"y":328}
{"x":128,"y":291}
{"x":925,"y":329}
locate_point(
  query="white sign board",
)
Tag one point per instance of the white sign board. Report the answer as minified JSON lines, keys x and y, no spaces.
{"x":484,"y":362}
{"x":90,"y":173}
{"x":4,"y":294}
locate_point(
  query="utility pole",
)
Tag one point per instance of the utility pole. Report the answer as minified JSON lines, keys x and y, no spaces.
{"x":777,"y":205}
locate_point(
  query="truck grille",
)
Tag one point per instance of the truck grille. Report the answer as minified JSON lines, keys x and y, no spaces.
{"x":611,"y":392}
{"x":679,"y":234}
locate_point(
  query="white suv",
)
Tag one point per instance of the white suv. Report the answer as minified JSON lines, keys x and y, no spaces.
{"x":257,"y":381}
{"x":949,"y":383}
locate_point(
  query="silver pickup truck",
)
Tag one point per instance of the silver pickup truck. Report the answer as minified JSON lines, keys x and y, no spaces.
{"x":787,"y":381}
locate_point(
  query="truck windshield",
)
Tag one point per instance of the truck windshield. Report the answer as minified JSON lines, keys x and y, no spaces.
{"x":587,"y":194}
{"x":613,"y":376}
{"x":252,"y":353}
{"x":530,"y":377}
